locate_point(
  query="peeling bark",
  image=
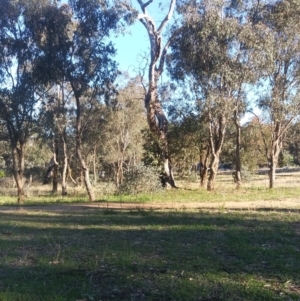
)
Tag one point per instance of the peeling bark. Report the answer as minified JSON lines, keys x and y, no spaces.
{"x":156,"y":117}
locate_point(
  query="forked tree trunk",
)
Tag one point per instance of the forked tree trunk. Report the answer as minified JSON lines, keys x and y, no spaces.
{"x":214,"y":164}
{"x":84,"y":168}
{"x":18,"y":169}
{"x":217,"y":135}
{"x":86,"y":175}
{"x":157,"y":120}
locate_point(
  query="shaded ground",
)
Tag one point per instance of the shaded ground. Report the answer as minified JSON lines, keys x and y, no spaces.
{"x":82,"y":253}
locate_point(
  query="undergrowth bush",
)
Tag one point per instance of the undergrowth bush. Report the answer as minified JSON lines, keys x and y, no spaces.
{"x":108,"y":188}
{"x":246,"y":174}
{"x":2,"y":173}
{"x":140,"y":179}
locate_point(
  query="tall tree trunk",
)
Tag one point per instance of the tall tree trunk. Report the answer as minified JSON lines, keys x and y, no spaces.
{"x":86,"y":176}
{"x":94,"y":165}
{"x":216,"y":140}
{"x":18,"y":169}
{"x":84,"y":168}
{"x":64,"y":190}
{"x":118,"y":172}
{"x":272,"y":171}
{"x":275,"y":151}
{"x":69,"y":174}
{"x":55,"y":163}
{"x":238,"y":166}
{"x":204,"y":166}
{"x":214,"y":164}
{"x":63,"y":137}
{"x":276,"y":147}
{"x":55,"y":179}
{"x":157,"y":120}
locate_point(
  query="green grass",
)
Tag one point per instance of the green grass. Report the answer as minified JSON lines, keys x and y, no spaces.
{"x":137,"y":255}
{"x":287,"y":187}
{"x":179,"y":196}
{"x":257,"y":189}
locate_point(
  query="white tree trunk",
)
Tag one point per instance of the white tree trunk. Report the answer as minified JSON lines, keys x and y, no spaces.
{"x":157,"y":120}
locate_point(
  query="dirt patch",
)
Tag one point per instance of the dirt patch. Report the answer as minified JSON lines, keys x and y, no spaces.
{"x":270,"y":205}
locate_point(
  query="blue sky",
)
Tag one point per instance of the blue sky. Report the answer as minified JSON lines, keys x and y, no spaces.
{"x":130,"y":46}
{"x":135,"y":43}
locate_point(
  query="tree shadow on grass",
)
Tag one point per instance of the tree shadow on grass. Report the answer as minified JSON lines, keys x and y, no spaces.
{"x":148,"y":255}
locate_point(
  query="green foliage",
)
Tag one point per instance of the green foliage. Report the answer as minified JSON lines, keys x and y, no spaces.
{"x":139,"y":179}
{"x":284,"y":159}
{"x":246,"y":174}
{"x":151,"y":155}
{"x":107,"y":188}
{"x":2,"y":173}
{"x":293,"y":143}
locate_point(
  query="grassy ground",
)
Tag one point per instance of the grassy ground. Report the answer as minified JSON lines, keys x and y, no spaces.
{"x":99,"y":254}
{"x":220,"y":245}
{"x":256,"y":189}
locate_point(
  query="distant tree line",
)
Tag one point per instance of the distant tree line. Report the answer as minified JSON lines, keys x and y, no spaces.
{"x":64,"y":103}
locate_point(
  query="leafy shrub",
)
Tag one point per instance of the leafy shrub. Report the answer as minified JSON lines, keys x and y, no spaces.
{"x":2,"y":173}
{"x":246,"y":174}
{"x":140,"y":179}
{"x":108,"y":188}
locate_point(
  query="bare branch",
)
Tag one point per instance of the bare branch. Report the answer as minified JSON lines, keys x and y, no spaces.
{"x":144,"y":5}
{"x":163,"y":58}
{"x":285,"y":128}
{"x":167,"y":17}
{"x":164,"y":53}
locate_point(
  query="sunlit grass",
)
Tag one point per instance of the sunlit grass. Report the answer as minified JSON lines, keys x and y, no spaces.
{"x":255,"y":189}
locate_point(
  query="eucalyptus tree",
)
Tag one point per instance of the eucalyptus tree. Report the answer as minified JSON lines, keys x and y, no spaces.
{"x":55,"y":121}
{"x":188,"y":142}
{"x":276,"y":31}
{"x":19,"y":85}
{"x":124,"y":140}
{"x":77,"y":52}
{"x":156,"y":117}
{"x":205,"y":52}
